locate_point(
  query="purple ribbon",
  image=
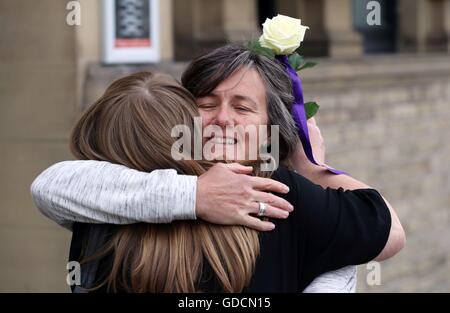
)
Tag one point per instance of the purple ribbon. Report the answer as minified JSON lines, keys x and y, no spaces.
{"x":299,"y":114}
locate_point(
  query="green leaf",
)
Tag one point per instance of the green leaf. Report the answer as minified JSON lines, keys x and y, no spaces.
{"x":295,"y":60}
{"x":256,"y":47}
{"x":253,"y":44}
{"x":311,"y":109}
{"x":307,"y":65}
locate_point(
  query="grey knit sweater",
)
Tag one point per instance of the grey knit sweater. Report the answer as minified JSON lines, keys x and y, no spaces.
{"x":101,"y":192}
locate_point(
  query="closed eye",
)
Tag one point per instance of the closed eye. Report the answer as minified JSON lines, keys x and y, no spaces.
{"x":243,"y":109}
{"x":207,"y":106}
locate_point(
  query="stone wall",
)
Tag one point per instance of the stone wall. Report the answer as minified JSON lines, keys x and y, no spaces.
{"x":386,"y":121}
{"x":37,"y":110}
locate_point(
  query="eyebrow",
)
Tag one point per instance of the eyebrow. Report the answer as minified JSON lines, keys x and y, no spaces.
{"x":237,"y":97}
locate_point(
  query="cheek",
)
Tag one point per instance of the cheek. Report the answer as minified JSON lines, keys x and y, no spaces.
{"x":206,"y":118}
{"x":263,"y":119}
{"x":254,"y":119}
{"x":259,"y":120}
{"x":265,"y":115}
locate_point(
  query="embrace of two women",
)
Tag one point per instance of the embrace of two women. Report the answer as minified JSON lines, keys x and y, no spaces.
{"x":143,"y":221}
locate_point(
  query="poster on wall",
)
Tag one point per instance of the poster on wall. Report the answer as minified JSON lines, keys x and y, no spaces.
{"x":131,"y":31}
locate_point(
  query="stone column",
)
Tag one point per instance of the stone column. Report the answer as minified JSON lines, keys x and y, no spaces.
{"x":208,"y":20}
{"x":88,"y":47}
{"x":183,"y":11}
{"x":166,"y":30}
{"x":38,"y":80}
{"x":205,"y":24}
{"x":343,"y":41}
{"x":447,"y":22}
{"x":198,"y":25}
{"x":311,"y":12}
{"x":422,"y":25}
{"x":436,"y":37}
{"x":240,"y":20}
{"x":409,"y":37}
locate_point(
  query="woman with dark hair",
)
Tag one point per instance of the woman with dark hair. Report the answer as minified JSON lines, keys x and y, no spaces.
{"x":131,"y":125}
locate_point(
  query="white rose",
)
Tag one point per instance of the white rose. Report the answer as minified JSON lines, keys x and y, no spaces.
{"x":282,"y":34}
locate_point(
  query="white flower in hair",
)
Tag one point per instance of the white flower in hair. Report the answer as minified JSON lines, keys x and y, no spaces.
{"x":282,"y":34}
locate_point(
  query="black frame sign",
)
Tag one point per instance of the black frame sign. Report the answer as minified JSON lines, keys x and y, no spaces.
{"x":131,"y":31}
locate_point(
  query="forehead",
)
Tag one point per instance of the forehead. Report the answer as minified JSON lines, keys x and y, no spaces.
{"x":244,"y":82}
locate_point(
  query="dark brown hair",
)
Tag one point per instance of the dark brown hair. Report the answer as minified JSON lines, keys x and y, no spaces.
{"x":206,"y":72}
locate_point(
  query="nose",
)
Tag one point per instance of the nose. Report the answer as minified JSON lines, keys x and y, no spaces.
{"x":224,"y":117}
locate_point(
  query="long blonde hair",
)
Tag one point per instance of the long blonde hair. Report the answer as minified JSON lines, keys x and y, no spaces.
{"x":131,"y":125}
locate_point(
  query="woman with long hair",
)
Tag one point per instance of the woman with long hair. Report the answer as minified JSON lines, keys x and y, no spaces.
{"x":131,"y":125}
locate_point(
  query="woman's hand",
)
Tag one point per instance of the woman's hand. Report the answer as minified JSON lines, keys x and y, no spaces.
{"x":227,"y":195}
{"x":298,"y":160}
{"x":317,"y":142}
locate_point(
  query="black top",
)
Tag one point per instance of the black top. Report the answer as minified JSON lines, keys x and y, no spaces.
{"x":327,"y":230}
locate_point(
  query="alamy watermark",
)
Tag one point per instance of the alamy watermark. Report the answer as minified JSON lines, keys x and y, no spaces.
{"x":373,"y":277}
{"x":73,"y":17}
{"x":73,"y":277}
{"x":232,"y":143}
{"x":374,"y":16}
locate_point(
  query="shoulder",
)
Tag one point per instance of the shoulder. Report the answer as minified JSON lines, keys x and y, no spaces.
{"x":301,"y":189}
{"x":304,"y":195}
{"x":289,"y":177}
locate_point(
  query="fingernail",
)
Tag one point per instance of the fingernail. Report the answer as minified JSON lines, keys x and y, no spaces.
{"x":286,"y":189}
{"x":272,"y":226}
{"x":286,"y":214}
{"x":291,"y":207}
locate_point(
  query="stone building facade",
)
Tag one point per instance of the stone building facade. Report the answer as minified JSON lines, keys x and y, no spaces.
{"x":384,"y":96}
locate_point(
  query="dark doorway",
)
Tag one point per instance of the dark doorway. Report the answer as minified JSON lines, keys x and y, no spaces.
{"x":376,"y":38}
{"x":266,"y":9}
